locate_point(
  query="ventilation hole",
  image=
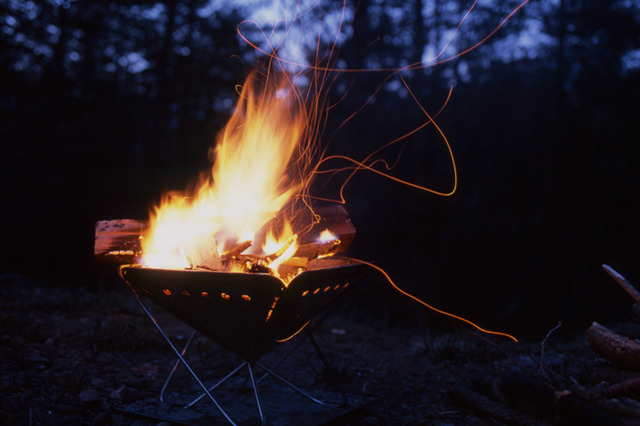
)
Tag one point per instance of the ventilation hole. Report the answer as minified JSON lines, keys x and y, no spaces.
{"x":167,"y":291}
{"x":337,"y":286}
{"x":225,"y":296}
{"x":327,"y":288}
{"x":246,"y":297}
{"x":345,"y":285}
{"x":205,"y":294}
{"x":269,"y":314}
{"x":186,"y":293}
{"x":304,"y":293}
{"x":316,"y":291}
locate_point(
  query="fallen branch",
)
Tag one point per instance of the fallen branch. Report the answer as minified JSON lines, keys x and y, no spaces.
{"x":626,"y":285}
{"x":618,"y":349}
{"x":623,"y":388}
{"x":573,"y":392}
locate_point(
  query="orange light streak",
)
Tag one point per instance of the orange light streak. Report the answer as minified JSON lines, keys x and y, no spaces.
{"x":309,"y":110}
{"x":456,"y":31}
{"x":425,"y":304}
{"x":363,"y":164}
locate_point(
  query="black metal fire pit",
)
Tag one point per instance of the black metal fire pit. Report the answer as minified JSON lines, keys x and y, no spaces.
{"x":246,"y":313}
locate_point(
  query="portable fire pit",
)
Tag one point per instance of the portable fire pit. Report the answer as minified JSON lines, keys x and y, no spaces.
{"x":245,"y":313}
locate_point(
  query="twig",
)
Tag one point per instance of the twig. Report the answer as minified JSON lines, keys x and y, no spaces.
{"x":626,"y":285}
{"x":543,"y":342}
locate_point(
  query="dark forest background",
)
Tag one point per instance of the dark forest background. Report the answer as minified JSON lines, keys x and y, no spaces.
{"x":106,"y":104}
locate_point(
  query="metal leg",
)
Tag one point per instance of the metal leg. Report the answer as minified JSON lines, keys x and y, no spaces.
{"x":285,"y":381}
{"x":320,"y":353}
{"x":329,"y":369}
{"x":283,"y":358}
{"x":253,"y":384}
{"x":175,"y":366}
{"x":309,"y":334}
{"x":255,"y":391}
{"x":181,"y":358}
{"x":218,"y":384}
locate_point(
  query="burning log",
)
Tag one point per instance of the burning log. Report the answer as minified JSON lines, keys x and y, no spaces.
{"x":333,"y":218}
{"x":235,"y":251}
{"x":317,"y":249}
{"x":118,"y":241}
{"x":204,"y":257}
{"x":282,"y":250}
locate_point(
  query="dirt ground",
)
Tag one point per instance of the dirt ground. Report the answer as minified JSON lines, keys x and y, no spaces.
{"x":80,"y":356}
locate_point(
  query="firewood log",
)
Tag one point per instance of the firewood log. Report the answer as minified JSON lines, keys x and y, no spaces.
{"x":617,"y":349}
{"x":118,"y":241}
{"x":204,"y":257}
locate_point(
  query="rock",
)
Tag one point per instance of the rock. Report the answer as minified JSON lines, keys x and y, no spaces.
{"x":96,"y":382}
{"x":89,"y":395}
{"x":36,"y":358}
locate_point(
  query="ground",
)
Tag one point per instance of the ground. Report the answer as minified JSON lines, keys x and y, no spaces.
{"x":90,"y":356}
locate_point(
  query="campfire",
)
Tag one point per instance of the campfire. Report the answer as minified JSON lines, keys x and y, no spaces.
{"x":246,"y":255}
{"x":251,"y":213}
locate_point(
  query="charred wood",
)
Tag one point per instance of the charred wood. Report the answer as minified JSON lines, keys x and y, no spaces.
{"x":315,"y":249}
{"x":204,"y":257}
{"x":236,"y":250}
{"x":118,"y":241}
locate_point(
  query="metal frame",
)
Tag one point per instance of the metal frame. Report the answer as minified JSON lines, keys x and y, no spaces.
{"x":250,"y":365}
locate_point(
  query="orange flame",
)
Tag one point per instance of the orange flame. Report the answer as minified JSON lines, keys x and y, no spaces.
{"x":255,"y":174}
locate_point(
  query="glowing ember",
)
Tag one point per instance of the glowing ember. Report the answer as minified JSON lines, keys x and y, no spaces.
{"x":326,"y":236}
{"x":256,"y":172}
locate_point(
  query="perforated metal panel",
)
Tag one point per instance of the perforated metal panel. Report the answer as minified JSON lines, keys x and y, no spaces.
{"x":246,"y":313}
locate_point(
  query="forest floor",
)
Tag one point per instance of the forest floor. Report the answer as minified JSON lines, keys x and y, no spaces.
{"x":80,"y":356}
